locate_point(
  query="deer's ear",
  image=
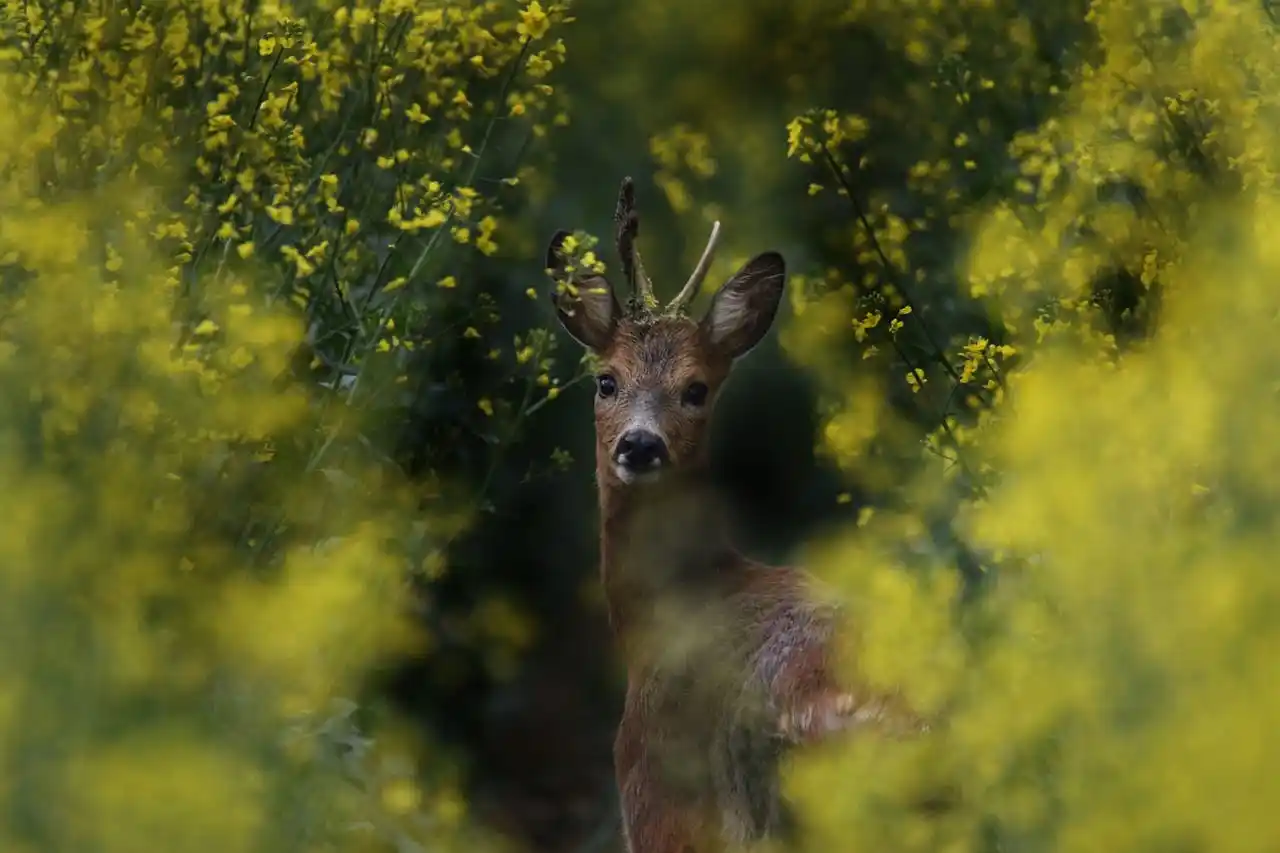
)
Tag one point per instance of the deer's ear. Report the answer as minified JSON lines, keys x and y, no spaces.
{"x":584,"y":303}
{"x":743,"y":308}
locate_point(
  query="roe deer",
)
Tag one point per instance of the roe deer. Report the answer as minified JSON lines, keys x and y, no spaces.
{"x":729,"y":662}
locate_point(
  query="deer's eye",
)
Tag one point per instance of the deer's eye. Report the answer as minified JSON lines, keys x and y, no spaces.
{"x":695,"y":394}
{"x":606,"y":385}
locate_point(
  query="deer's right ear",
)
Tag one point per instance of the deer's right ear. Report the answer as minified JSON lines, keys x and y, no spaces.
{"x":743,"y":308}
{"x":584,"y":302}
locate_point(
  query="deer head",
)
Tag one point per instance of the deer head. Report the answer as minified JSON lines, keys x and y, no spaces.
{"x":661,"y":369}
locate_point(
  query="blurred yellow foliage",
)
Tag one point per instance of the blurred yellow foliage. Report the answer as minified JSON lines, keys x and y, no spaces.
{"x":198,"y":570}
{"x":1112,"y":687}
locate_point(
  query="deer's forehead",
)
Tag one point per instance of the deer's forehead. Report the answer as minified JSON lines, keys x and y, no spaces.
{"x":669,"y":346}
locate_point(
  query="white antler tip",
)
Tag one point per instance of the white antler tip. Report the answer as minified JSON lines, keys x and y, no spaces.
{"x":700,"y":271}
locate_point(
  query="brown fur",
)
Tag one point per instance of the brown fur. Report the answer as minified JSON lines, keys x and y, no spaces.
{"x":729,"y":662}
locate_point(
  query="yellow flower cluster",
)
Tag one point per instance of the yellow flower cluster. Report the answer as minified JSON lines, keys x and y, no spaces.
{"x":294,"y":146}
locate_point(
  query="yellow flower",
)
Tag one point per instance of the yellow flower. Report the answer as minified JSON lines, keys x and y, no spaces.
{"x":435,"y":217}
{"x":283,"y":214}
{"x":533,"y":21}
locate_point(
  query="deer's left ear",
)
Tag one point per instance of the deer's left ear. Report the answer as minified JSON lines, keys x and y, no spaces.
{"x":586,"y":305}
{"x":743,"y":308}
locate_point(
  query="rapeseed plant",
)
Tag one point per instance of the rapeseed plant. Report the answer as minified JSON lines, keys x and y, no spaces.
{"x":204,"y":553}
{"x":1109,"y":685}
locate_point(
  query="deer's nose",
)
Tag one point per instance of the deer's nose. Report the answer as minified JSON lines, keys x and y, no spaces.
{"x":640,"y":450}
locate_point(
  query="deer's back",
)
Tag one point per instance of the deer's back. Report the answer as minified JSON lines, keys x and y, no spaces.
{"x":700,"y":722}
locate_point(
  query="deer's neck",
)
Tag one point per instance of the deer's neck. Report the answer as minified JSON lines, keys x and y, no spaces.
{"x":659,"y":541}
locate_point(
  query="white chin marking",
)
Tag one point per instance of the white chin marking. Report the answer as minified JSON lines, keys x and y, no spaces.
{"x":628,"y":476}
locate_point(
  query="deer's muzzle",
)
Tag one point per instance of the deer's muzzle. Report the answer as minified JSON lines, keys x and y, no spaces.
{"x":640,"y":452}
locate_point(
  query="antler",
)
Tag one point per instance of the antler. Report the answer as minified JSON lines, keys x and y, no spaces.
{"x":699,"y":272}
{"x":628,"y":222}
